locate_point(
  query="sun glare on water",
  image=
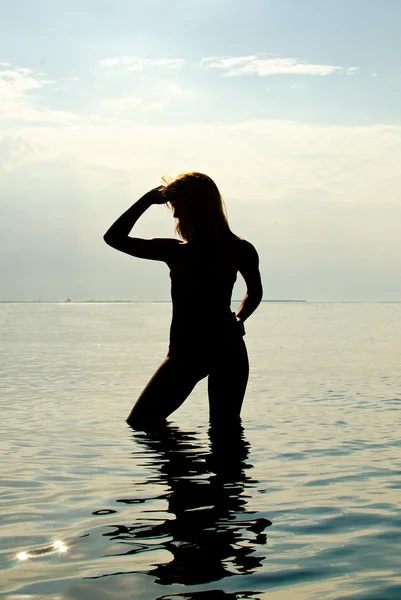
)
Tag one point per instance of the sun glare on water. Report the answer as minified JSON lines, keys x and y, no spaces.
{"x":58,"y":546}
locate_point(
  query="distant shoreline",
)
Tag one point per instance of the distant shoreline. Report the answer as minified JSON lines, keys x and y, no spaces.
{"x":68,"y":301}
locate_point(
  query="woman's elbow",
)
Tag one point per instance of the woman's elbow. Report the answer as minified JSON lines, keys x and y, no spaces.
{"x":109,"y":239}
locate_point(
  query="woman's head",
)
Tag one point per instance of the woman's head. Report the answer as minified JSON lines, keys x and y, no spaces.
{"x":197,"y":205}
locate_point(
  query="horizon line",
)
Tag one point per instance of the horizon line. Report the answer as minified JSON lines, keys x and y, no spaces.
{"x":290,"y":301}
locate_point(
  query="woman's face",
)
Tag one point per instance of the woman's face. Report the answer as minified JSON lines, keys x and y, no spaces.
{"x":177,"y":209}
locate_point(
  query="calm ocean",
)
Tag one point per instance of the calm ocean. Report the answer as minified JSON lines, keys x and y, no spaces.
{"x":307,"y":505}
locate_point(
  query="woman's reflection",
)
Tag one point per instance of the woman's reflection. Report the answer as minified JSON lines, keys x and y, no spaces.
{"x":210,"y":536}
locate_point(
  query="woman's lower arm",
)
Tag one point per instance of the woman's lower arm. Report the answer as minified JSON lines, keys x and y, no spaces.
{"x":249,"y":305}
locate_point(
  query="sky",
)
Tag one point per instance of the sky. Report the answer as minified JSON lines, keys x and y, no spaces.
{"x":293,"y":108}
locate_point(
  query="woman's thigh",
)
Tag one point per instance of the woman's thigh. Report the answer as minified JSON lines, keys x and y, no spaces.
{"x":227,"y":383}
{"x":166,"y":391}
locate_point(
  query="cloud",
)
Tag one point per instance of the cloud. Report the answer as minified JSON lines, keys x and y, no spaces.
{"x":321,"y":203}
{"x":16,"y":84}
{"x":16,"y":81}
{"x":23,"y":93}
{"x":130,"y":104}
{"x":260,"y":65}
{"x":121,"y":104}
{"x":132,"y":63}
{"x":125,"y":104}
{"x":18,"y":100}
{"x":263,"y":66}
{"x":175,"y":90}
{"x":14,"y":152}
{"x":262,"y":160}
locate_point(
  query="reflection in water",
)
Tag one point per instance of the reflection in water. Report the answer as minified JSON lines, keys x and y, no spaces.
{"x":211,"y":595}
{"x":210,"y":536}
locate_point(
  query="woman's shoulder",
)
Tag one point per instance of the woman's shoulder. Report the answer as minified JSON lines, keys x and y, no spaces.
{"x":245,"y":251}
{"x":243,"y":246}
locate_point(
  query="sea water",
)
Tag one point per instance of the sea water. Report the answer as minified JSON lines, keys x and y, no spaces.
{"x":306,"y":504}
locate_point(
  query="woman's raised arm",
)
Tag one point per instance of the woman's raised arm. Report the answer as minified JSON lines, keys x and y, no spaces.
{"x":117,"y":236}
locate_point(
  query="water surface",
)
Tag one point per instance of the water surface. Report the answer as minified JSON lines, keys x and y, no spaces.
{"x":303,"y":503}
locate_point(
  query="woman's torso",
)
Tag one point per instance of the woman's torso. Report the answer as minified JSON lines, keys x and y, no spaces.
{"x":202,"y":281}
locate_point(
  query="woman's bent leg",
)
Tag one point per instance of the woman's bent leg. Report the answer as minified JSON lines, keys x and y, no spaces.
{"x":166,"y":391}
{"x":227,"y":383}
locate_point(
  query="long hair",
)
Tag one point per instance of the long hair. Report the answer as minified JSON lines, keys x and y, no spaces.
{"x":199,"y":206}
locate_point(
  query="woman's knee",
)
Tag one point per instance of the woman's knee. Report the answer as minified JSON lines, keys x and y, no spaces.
{"x":144,"y":421}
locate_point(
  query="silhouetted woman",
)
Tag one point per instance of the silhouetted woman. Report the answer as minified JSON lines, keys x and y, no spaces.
{"x":206,"y":338}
